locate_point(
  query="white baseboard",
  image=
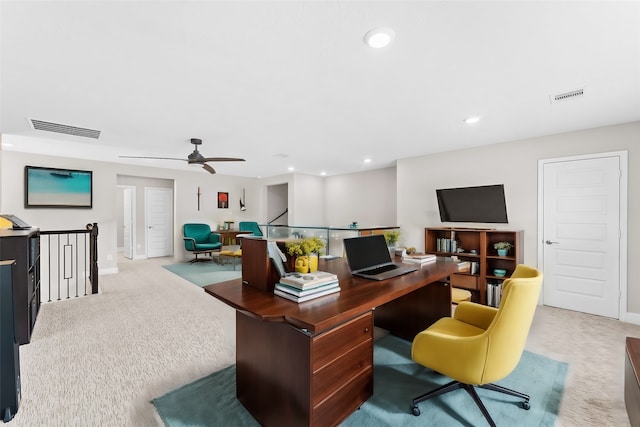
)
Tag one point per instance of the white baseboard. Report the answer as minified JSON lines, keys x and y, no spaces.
{"x":631,"y":318}
{"x":102,"y":271}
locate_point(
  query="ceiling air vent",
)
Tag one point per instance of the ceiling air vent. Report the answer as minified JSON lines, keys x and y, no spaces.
{"x":65,"y":129}
{"x":566,"y":95}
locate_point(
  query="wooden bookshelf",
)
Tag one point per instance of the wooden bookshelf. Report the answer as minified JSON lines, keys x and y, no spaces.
{"x":439,"y":241}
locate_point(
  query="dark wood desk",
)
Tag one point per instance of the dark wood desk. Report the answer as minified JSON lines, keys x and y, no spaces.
{"x":632,"y":380}
{"x":312,"y":363}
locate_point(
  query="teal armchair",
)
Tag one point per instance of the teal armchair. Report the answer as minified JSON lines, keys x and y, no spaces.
{"x":199,"y":239}
{"x":250,"y":226}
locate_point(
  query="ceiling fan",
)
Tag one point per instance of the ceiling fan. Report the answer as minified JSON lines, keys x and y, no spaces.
{"x":194,"y":158}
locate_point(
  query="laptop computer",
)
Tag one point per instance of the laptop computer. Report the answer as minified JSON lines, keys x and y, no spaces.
{"x":369,"y":257}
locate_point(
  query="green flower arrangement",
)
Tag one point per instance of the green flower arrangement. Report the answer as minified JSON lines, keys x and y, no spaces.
{"x":502,"y":245}
{"x":304,"y":247}
{"x":391,"y":237}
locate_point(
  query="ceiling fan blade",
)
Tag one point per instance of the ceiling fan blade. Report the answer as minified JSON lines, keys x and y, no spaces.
{"x":208,"y":168}
{"x":222,"y":159}
{"x":153,"y":158}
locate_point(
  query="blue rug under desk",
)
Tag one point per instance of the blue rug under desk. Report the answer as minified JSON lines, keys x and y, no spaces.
{"x":211,"y":401}
{"x":207,"y":273}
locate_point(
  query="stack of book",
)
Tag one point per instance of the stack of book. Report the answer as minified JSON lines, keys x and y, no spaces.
{"x":305,"y":287}
{"x":419,"y":258}
{"x":494,"y":294}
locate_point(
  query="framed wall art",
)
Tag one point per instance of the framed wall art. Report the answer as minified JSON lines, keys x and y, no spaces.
{"x":57,"y":188}
{"x":223,"y":200}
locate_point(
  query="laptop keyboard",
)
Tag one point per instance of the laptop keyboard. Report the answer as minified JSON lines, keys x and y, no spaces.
{"x":379,"y":270}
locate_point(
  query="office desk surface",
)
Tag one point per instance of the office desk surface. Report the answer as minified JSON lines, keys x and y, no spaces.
{"x":356,"y":296}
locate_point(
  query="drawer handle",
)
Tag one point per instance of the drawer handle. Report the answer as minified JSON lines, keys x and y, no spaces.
{"x":366,"y":330}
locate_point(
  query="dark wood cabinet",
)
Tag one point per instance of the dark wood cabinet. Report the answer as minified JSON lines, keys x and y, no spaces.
{"x":23,"y":246}
{"x":313,"y":380}
{"x":476,"y":247}
{"x":632,"y":380}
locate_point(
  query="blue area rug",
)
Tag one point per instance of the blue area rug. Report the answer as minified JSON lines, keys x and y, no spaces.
{"x":211,"y":401}
{"x":206,"y":273}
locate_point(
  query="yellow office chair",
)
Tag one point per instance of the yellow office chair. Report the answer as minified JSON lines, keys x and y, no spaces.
{"x":481,"y":344}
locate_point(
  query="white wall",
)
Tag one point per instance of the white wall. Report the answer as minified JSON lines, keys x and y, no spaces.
{"x":340,"y":200}
{"x":105,"y":209}
{"x":515,"y":164}
{"x":369,"y":198}
{"x":306,"y":201}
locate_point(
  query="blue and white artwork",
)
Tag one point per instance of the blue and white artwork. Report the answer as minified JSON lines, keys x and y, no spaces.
{"x":53,"y":188}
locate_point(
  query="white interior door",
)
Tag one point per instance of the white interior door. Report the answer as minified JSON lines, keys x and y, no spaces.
{"x":128,"y":223}
{"x":159,"y":222}
{"x":581,"y":238}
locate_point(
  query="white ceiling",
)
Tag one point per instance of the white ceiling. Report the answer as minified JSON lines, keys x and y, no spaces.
{"x":292,"y":83}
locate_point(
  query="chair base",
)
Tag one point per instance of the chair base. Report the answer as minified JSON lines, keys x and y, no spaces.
{"x":454,"y":385}
{"x":196,"y":259}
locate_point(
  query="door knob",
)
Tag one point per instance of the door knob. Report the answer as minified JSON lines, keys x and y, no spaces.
{"x":549,"y":242}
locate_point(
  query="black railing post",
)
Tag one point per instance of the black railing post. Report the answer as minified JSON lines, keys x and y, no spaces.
{"x":93,"y":256}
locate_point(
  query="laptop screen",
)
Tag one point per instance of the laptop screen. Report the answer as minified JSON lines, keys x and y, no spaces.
{"x":366,"y":251}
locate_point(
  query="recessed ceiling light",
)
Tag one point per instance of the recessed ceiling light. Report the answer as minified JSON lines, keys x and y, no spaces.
{"x":290,"y":169}
{"x":379,"y":37}
{"x":472,"y":120}
{"x":367,"y":160}
{"x":323,"y":173}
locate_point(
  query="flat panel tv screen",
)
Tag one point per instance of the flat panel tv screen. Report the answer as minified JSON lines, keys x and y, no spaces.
{"x":473,"y":204}
{"x":57,"y":188}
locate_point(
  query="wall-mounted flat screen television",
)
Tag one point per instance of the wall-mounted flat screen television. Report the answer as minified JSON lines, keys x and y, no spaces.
{"x":57,"y":188}
{"x":473,"y":204}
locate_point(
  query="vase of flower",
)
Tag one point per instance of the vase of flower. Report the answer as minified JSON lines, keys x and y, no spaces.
{"x":313,"y":262}
{"x":302,"y":264}
{"x":306,"y":251}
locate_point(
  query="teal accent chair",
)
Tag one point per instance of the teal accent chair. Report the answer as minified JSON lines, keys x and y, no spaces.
{"x":199,"y":239}
{"x":250,"y":226}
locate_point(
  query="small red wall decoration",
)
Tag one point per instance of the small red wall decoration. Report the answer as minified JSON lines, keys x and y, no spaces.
{"x":223,"y":200}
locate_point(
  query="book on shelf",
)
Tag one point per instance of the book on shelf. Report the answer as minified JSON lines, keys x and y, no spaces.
{"x":464,"y":266}
{"x":452,"y":258}
{"x":308,"y":280}
{"x":293,"y":290}
{"x":446,"y":245}
{"x":494,"y":294}
{"x":304,"y":298}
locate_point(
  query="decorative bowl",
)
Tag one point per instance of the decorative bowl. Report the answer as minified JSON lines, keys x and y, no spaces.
{"x":499,"y":272}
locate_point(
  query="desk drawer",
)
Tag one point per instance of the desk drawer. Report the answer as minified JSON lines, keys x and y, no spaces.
{"x":327,"y":379}
{"x":333,"y":344}
{"x":344,"y":401}
{"x":464,"y":281}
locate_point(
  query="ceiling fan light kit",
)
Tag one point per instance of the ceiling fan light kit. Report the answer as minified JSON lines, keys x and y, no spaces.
{"x":195,"y":158}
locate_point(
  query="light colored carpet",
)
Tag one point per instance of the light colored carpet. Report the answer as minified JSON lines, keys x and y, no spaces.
{"x":99,"y":360}
{"x":210,"y":401}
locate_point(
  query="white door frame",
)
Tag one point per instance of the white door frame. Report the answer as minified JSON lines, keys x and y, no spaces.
{"x":132,"y":215}
{"x":622,"y":300}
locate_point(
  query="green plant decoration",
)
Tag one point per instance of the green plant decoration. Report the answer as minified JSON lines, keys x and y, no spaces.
{"x":391,"y":237}
{"x":502,"y":245}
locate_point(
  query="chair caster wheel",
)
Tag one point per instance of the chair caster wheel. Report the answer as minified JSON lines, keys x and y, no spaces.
{"x":415,"y":410}
{"x":526,"y":405}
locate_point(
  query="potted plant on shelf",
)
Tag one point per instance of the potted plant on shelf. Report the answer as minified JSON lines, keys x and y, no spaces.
{"x":306,"y":251}
{"x":502,"y":247}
